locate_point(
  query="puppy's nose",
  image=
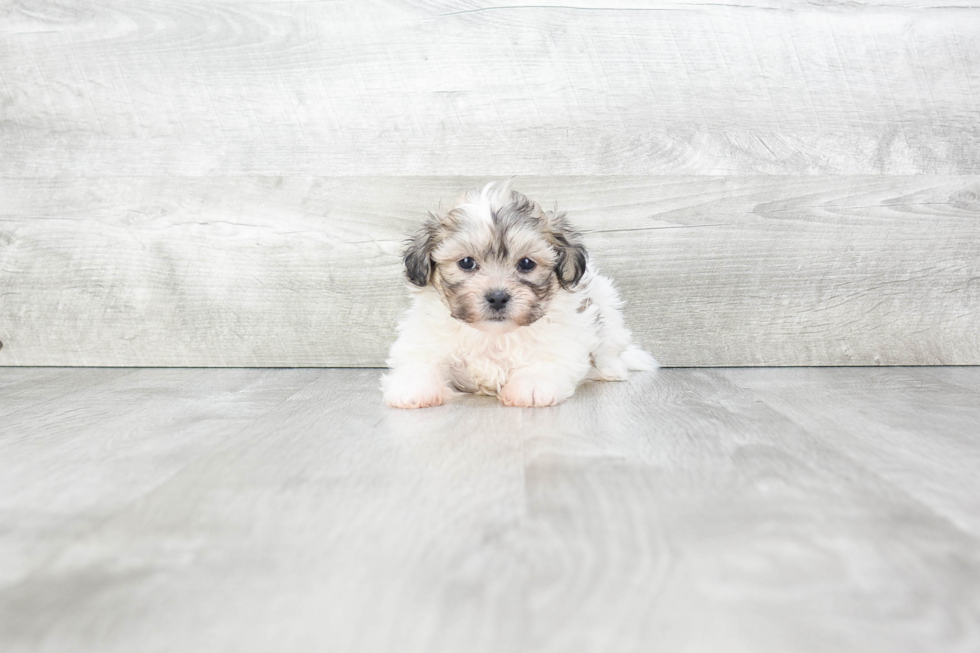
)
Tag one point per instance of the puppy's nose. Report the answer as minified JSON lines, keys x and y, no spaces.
{"x":497,"y":299}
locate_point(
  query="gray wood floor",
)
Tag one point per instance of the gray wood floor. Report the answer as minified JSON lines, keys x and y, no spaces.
{"x":687,"y":510}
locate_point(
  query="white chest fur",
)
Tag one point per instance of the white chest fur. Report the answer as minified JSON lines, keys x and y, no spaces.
{"x":476,"y":361}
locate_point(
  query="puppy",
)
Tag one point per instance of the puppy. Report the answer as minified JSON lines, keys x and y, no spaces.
{"x":505,"y":304}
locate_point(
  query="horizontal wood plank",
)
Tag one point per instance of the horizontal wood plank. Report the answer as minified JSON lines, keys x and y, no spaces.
{"x":453,"y":87}
{"x":270,"y":271}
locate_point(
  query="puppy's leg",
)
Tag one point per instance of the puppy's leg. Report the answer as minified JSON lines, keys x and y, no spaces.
{"x":528,"y":388}
{"x":609,"y":368}
{"x":415,"y":387}
{"x":616,"y":354}
{"x":417,"y":377}
{"x":542,"y":384}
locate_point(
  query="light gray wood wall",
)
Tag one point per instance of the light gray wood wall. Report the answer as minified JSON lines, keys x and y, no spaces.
{"x":227,"y":183}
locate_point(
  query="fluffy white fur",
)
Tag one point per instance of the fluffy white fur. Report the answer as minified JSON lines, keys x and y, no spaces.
{"x":580,"y":335}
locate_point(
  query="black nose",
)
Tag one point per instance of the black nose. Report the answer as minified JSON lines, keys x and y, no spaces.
{"x":497,"y":299}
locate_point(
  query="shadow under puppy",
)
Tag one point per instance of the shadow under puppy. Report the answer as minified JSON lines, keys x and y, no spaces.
{"x":505,"y":304}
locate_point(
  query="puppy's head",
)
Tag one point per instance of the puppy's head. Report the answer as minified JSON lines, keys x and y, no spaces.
{"x":496,"y":258}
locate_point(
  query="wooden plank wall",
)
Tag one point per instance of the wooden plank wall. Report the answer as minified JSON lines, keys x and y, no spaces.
{"x":226,"y":183}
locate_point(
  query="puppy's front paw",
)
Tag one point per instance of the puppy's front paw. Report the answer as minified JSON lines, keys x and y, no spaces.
{"x":531,"y":392}
{"x":403,"y":391}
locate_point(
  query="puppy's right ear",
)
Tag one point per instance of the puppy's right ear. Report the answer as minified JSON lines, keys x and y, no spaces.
{"x":418,"y":253}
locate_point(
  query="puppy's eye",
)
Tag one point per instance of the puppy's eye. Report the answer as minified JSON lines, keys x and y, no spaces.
{"x":466,"y":263}
{"x":526,"y":265}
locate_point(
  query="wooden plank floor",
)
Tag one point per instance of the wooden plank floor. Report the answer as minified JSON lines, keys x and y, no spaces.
{"x":725,"y":510}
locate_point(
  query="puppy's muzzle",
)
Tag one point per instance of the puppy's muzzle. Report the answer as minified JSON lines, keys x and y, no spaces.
{"x":497,"y":300}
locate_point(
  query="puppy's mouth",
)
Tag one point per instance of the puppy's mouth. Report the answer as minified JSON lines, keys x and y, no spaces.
{"x":494,"y":321}
{"x":496,"y":325}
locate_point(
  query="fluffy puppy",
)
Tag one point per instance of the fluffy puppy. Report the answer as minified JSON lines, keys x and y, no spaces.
{"x":505,"y":304}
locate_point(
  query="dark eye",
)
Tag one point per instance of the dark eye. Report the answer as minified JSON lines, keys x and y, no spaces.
{"x":526,"y":265}
{"x":466,"y":263}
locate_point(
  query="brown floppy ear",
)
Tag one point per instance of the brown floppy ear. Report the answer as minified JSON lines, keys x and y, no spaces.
{"x":418,"y":253}
{"x":572,"y":256}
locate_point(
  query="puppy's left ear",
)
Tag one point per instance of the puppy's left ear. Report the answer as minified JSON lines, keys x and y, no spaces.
{"x":572,"y":255}
{"x":418,"y":253}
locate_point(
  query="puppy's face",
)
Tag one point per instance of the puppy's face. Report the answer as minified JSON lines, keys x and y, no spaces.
{"x":496,"y":259}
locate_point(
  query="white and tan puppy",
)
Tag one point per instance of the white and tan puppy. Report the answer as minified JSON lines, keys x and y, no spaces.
{"x":505,"y":304}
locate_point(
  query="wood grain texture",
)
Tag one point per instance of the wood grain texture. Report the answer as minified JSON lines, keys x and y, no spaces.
{"x":916,"y":459}
{"x":152,"y":423}
{"x":23,"y":387}
{"x":226,"y":183}
{"x":260,"y":271}
{"x":784,"y":511}
{"x":458,"y":87}
{"x":680,"y":512}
